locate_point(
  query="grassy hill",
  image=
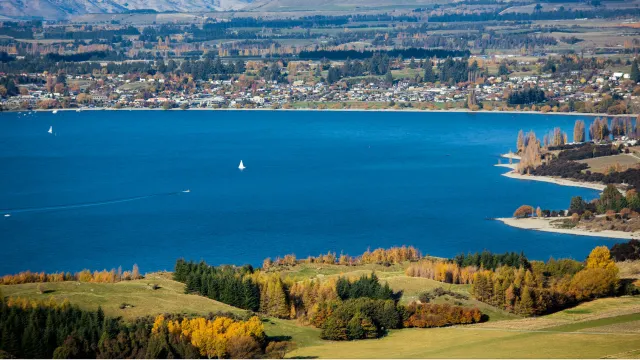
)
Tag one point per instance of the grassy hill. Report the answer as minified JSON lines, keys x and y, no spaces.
{"x":602,"y":328}
{"x":138,"y":294}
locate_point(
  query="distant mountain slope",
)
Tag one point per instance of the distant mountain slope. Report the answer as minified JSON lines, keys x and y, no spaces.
{"x":338,"y":5}
{"x":59,"y":9}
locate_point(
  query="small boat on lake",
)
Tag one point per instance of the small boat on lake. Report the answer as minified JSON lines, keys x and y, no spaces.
{"x":55,"y":111}
{"x":50,"y":130}
{"x":241,"y":166}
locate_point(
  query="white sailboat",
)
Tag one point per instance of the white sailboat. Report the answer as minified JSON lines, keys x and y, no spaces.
{"x":50,"y":130}
{"x":241,"y":166}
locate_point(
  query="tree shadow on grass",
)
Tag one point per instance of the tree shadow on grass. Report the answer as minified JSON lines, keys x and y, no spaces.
{"x":280,"y":338}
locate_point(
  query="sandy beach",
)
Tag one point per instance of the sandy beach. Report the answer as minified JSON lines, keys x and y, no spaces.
{"x":508,"y":166}
{"x":511,"y":155}
{"x":548,"y":179}
{"x":544,"y":224}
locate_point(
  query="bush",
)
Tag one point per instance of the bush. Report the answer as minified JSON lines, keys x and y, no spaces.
{"x":438,"y":315}
{"x":427,"y":296}
{"x":587,"y":215}
{"x":626,"y":251}
{"x":361,"y":318}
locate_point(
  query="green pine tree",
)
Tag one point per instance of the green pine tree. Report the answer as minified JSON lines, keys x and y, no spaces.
{"x":635,"y":72}
{"x":429,"y":76}
{"x":388,"y":78}
{"x":354,"y":327}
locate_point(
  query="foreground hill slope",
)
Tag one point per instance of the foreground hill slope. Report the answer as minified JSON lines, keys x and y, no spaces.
{"x":607,"y":327}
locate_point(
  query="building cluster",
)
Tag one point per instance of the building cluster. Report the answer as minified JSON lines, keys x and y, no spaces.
{"x":123,"y":91}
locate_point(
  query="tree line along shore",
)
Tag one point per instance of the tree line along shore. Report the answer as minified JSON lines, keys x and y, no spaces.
{"x":607,"y":161}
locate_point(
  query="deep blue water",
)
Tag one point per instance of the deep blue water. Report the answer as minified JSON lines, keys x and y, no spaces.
{"x":315,"y":181}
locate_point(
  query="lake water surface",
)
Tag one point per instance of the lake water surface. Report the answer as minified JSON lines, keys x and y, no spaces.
{"x":106,"y":188}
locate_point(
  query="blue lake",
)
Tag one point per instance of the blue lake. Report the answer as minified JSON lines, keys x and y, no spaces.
{"x":314,"y":182}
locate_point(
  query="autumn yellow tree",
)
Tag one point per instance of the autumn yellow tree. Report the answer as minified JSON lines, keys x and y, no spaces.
{"x":523,"y":211}
{"x":600,"y":258}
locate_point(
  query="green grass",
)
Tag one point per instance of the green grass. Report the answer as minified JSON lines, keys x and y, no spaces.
{"x":471,"y":342}
{"x":169,"y":298}
{"x":302,"y":336}
{"x":594,"y":324}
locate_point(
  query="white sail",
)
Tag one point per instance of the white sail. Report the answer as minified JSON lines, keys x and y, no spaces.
{"x":50,"y":130}
{"x":241,"y":166}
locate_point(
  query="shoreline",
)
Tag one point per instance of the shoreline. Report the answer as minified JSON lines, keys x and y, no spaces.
{"x":544,"y":224}
{"x":558,"y":181}
{"x":353,"y":110}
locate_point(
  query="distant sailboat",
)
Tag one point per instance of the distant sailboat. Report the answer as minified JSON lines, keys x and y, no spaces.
{"x":241,"y":166}
{"x":55,"y":111}
{"x":50,"y":130}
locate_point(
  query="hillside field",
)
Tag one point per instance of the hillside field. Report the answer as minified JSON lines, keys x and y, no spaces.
{"x":600,"y":328}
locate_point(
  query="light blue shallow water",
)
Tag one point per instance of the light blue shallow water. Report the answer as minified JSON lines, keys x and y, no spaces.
{"x":105,"y":190}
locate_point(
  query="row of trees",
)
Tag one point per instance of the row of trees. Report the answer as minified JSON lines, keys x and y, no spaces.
{"x":489,"y":260}
{"x":394,"y":255}
{"x":344,"y":308}
{"x":365,"y":286}
{"x":227,"y":284}
{"x":62,"y":331}
{"x":103,"y":276}
{"x":599,"y":130}
{"x":437,"y":315}
{"x":540,"y":290}
{"x":527,"y":97}
{"x":442,"y":270}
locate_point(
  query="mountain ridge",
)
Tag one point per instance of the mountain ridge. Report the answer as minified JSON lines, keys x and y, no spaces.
{"x":63,"y":9}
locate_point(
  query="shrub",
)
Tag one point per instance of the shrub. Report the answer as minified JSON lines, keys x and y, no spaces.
{"x":360,"y":318}
{"x":437,"y":315}
{"x":587,"y":215}
{"x":626,"y":251}
{"x":427,"y":296}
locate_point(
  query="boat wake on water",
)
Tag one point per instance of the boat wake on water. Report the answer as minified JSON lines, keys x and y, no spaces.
{"x":9,"y":212}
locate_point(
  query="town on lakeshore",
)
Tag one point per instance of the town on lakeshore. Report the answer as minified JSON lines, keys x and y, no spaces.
{"x":258,"y":261}
{"x":436,"y":58}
